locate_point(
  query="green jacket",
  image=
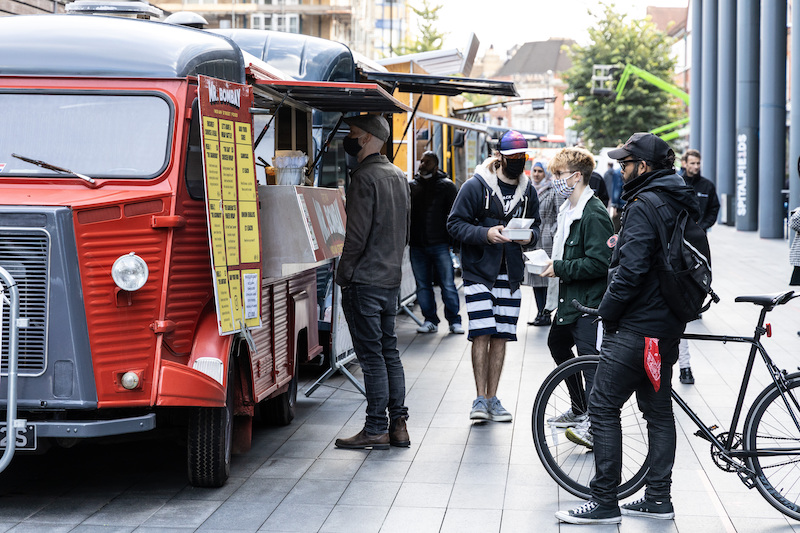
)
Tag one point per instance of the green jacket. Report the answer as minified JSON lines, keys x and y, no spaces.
{"x":583,"y":270}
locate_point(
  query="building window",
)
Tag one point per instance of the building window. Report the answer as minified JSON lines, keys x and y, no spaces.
{"x":260,"y":21}
{"x":286,"y":23}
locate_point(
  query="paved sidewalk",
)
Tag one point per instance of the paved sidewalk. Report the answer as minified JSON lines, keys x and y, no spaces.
{"x":457,"y":476}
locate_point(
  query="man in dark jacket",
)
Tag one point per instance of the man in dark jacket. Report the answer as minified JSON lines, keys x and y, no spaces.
{"x":369,"y":273}
{"x":432,"y":196}
{"x":708,"y":203}
{"x":492,"y":264}
{"x":704,"y":189}
{"x":640,"y":343}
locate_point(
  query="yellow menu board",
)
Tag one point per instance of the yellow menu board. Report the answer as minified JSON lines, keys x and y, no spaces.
{"x":231,"y":202}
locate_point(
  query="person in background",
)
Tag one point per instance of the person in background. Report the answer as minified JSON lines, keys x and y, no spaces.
{"x":432,"y":196}
{"x":369,"y":272}
{"x":492,"y":264}
{"x":608,"y":179}
{"x":794,"y":251}
{"x":549,"y":203}
{"x":598,"y":185}
{"x":708,"y":203}
{"x":577,"y":271}
{"x":704,"y":189}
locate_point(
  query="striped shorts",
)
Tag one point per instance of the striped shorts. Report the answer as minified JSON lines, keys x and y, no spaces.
{"x":492,"y":311}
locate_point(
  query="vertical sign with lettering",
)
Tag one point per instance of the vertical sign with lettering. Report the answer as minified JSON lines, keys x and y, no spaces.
{"x":231,"y":202}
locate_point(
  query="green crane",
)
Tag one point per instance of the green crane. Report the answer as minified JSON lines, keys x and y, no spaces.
{"x":603,"y":79}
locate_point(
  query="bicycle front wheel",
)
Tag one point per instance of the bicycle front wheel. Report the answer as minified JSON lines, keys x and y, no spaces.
{"x":771,"y":430}
{"x":572,"y":465}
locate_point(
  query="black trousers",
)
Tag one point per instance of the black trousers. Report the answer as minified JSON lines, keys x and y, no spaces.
{"x":581,"y":334}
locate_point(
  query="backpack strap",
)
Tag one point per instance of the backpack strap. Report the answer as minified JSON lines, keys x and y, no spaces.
{"x":652,"y":201}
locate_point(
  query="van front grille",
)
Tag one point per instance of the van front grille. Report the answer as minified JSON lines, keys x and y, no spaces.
{"x":24,"y":253}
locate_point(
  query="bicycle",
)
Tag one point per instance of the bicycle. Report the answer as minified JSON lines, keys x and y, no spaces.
{"x":764,"y":455}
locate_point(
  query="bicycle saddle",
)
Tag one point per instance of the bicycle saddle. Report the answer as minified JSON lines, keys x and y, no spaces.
{"x":767,"y":300}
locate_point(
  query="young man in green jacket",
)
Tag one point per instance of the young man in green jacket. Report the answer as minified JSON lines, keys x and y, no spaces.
{"x":578,"y":270}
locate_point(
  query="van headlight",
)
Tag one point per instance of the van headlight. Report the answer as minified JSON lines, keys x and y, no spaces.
{"x":130,"y":272}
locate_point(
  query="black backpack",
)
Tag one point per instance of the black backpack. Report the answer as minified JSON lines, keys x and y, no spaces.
{"x":685,"y":270}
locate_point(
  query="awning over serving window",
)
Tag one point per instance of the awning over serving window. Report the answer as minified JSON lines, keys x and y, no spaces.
{"x":443,"y":85}
{"x":329,"y":96}
{"x":455,"y":122}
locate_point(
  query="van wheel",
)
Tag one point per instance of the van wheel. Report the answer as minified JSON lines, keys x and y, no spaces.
{"x":279,"y":411}
{"x":210,"y":441}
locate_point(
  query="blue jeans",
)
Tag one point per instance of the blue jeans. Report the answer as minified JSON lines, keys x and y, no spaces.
{"x":370,"y":312}
{"x":620,"y":374}
{"x":424,"y":260}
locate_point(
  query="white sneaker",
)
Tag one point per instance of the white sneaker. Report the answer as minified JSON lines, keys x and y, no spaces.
{"x":458,"y":329}
{"x":581,"y":434}
{"x":428,"y":327}
{"x":567,"y":419}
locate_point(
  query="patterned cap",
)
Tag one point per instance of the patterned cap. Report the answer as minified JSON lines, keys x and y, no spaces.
{"x":512,"y":142}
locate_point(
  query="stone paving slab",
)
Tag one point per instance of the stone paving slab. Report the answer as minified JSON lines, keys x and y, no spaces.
{"x":457,"y":476}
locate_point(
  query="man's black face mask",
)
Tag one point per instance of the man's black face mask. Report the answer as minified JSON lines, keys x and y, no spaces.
{"x":351,"y":145}
{"x":514,"y":167}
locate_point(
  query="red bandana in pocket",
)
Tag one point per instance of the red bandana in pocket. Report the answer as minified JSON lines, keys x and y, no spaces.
{"x":652,"y":362}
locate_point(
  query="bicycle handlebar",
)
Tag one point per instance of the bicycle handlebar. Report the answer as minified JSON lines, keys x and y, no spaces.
{"x":583,"y":309}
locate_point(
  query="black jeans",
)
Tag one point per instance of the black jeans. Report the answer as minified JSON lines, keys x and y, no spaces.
{"x":621,"y":373}
{"x":370,"y":312}
{"x":582,"y":334}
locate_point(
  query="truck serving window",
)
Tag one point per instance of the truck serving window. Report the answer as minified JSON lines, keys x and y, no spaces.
{"x":99,"y":134}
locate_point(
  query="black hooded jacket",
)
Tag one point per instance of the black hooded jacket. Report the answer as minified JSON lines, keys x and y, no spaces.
{"x":633,"y":299}
{"x":431,"y":201}
{"x":707,"y":201}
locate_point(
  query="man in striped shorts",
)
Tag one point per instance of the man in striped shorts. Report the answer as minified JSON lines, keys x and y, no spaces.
{"x":492,"y":264}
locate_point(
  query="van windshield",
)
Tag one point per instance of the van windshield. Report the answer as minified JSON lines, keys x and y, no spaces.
{"x":102,"y":135}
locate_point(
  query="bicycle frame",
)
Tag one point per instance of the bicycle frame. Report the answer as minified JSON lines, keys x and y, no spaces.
{"x":777,"y":378}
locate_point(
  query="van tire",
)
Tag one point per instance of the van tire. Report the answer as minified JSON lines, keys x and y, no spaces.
{"x":279,"y":411}
{"x":210,"y":440}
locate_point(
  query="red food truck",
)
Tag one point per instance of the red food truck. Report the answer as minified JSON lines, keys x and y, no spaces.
{"x":146,"y":279}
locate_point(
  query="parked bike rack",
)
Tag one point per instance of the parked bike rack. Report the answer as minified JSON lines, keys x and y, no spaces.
{"x":12,"y":298}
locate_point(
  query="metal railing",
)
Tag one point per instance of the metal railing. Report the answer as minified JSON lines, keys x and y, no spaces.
{"x":10,"y":295}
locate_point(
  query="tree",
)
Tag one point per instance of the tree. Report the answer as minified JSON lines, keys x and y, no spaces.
{"x":430,"y":38}
{"x":601,"y":120}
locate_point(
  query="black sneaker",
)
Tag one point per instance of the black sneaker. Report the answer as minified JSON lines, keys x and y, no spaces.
{"x":649,"y":508}
{"x":686,"y":376}
{"x":591,"y":512}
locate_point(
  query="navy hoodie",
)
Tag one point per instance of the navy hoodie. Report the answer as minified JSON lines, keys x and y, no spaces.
{"x":478,"y":207}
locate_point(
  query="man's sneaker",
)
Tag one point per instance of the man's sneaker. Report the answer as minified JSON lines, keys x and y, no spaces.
{"x":686,"y":376}
{"x":457,"y":328}
{"x":428,"y":327}
{"x":567,"y":419}
{"x":581,"y":434}
{"x":653,"y":509}
{"x":480,"y":409}
{"x":591,"y":513}
{"x":497,"y":412}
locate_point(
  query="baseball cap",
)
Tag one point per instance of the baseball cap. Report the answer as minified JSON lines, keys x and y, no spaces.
{"x":644,"y":146}
{"x":512,"y":142}
{"x":374,"y":124}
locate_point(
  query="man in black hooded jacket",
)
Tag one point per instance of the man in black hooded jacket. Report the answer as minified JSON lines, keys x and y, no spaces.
{"x":640,"y":342}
